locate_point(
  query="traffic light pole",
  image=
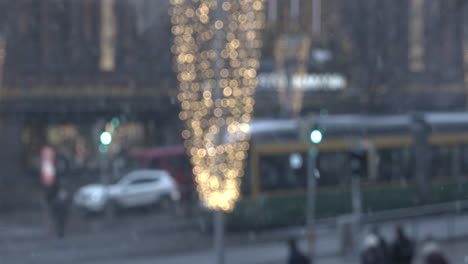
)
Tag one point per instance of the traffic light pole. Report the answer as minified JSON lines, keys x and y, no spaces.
{"x":356,"y":204}
{"x":356,"y":196}
{"x":311,"y":191}
{"x":218,"y":241}
{"x":105,"y":182}
{"x":359,"y":169}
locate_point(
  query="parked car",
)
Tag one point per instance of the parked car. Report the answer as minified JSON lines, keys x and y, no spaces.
{"x":136,"y":189}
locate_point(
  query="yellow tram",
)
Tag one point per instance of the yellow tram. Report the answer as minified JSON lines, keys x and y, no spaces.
{"x":274,"y":191}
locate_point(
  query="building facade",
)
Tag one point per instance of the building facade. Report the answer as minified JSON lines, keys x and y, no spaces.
{"x":72,"y":66}
{"x":67,"y":67}
{"x":396,"y":56}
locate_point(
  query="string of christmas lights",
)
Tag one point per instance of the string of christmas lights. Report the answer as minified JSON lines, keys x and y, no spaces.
{"x":216,"y":51}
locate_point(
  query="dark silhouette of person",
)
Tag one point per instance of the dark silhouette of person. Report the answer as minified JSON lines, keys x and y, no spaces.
{"x":295,"y":255}
{"x":372,"y":253}
{"x":432,"y":254}
{"x":57,"y":202}
{"x":382,"y":245}
{"x":402,"y":249}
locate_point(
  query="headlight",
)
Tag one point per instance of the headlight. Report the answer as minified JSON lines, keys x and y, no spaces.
{"x":96,"y":197}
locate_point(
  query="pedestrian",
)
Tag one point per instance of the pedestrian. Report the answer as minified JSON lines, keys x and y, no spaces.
{"x":372,"y":253}
{"x":57,"y":201}
{"x":402,"y":249}
{"x":432,"y":254}
{"x":381,"y":244}
{"x":295,"y":255}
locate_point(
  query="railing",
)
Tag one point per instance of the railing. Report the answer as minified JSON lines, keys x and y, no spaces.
{"x":343,"y":235}
{"x":441,"y":221}
{"x":454,"y":207}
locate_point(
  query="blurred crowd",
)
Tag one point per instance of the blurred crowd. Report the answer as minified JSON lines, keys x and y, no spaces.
{"x":402,"y":250}
{"x":377,"y":250}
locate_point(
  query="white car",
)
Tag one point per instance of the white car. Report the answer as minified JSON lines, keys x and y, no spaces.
{"x":136,"y":189}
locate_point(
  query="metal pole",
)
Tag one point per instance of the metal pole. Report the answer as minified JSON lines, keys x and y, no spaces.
{"x":103,"y":167}
{"x":218,"y":222}
{"x":356,"y":199}
{"x":421,"y":151}
{"x":311,"y":186}
{"x":218,"y":239}
{"x":105,"y":182}
{"x":357,"y":209}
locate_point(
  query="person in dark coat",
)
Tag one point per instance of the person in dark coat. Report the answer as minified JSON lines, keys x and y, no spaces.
{"x":372,"y":253}
{"x":57,"y":199}
{"x":402,"y":249}
{"x":431,"y":253}
{"x":295,"y":256}
{"x":381,"y":245}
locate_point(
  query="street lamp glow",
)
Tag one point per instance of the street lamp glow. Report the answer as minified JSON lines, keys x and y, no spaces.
{"x":106,"y":138}
{"x":316,"y":136}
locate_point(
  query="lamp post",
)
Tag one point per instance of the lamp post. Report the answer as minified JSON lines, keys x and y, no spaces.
{"x":315,"y":139}
{"x":216,"y":50}
{"x":105,"y":138}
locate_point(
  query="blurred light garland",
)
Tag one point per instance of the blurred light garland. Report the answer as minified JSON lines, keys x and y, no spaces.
{"x":216,"y":51}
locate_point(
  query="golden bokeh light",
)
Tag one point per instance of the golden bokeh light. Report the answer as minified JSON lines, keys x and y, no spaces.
{"x":216,"y":50}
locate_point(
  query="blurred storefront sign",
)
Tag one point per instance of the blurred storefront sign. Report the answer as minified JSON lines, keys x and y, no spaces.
{"x":306,"y":82}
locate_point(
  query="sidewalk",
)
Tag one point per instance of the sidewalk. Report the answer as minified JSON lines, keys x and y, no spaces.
{"x":271,"y":253}
{"x":140,"y":242}
{"x":276,"y":253}
{"x":452,"y":231}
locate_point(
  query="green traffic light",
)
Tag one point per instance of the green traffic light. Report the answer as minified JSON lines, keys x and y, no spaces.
{"x":316,"y":136}
{"x":115,"y":122}
{"x":106,"y":138}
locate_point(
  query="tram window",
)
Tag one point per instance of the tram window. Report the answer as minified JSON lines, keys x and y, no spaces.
{"x":246,"y":180}
{"x":464,"y":159}
{"x":407,"y":165}
{"x":436,"y":162}
{"x":456,"y":160}
{"x":333,"y":167}
{"x":392,"y":165}
{"x":269,"y":174}
{"x":385,"y":165}
{"x":276,"y":174}
{"x":440,"y":161}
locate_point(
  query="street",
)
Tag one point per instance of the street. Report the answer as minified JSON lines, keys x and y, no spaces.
{"x":152,"y":237}
{"x":327,"y":123}
{"x":136,"y":234}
